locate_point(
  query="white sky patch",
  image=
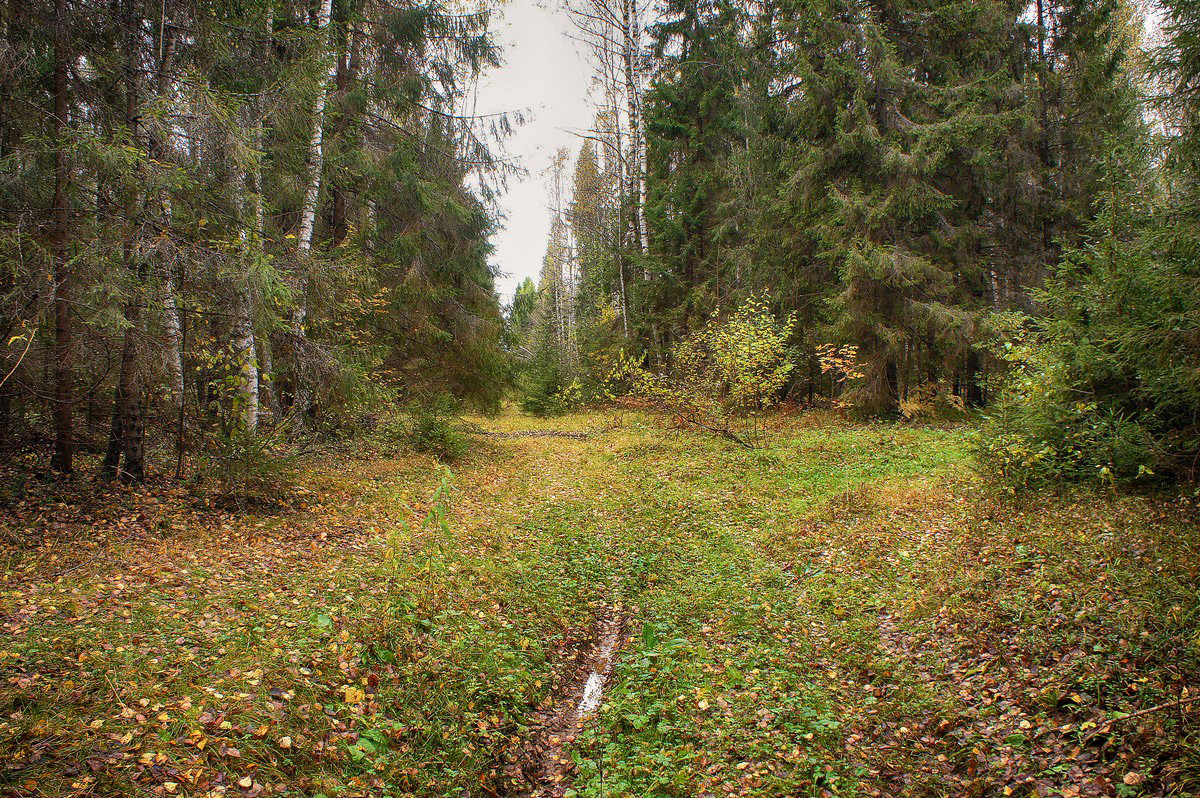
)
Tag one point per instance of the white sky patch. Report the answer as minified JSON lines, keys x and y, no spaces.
{"x":545,"y":75}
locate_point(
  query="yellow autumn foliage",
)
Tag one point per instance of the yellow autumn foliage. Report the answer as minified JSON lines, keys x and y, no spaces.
{"x":733,"y":367}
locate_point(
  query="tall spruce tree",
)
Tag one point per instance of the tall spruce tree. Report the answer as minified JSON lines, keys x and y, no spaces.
{"x":691,"y":127}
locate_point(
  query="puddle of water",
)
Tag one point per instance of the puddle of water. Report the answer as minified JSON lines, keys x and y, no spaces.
{"x":559,"y":730}
{"x":593,"y":691}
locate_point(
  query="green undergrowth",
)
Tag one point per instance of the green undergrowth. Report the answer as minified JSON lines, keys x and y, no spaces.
{"x":846,"y":611}
{"x":721,"y":687}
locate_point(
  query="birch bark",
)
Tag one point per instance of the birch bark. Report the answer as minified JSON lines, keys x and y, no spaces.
{"x":308,"y":212}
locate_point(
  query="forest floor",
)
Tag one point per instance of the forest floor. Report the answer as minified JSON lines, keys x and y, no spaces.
{"x":847,"y":611}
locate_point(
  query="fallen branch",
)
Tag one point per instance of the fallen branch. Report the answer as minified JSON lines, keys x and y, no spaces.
{"x":535,"y":433}
{"x":726,"y":433}
{"x":21,"y":359}
{"x":1108,"y":724}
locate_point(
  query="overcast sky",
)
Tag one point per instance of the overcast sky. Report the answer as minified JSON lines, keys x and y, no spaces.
{"x":545,"y":75}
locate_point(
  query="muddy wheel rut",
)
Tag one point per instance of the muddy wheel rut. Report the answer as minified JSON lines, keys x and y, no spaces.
{"x":544,"y":766}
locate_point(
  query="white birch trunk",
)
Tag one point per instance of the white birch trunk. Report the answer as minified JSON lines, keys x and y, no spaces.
{"x":315,"y":163}
{"x":630,"y":54}
{"x":308,"y":211}
{"x":255,"y":218}
{"x":243,"y":327}
{"x":248,"y":361}
{"x":171,"y":321}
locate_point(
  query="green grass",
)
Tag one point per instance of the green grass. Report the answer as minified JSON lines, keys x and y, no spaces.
{"x":847,"y":611}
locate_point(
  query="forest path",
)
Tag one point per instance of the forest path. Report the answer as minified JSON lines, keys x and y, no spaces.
{"x":844,"y":610}
{"x":680,"y":529}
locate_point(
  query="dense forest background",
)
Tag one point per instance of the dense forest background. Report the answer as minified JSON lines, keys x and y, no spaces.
{"x":222,"y":219}
{"x":962,"y":204}
{"x":859,"y":403}
{"x":226,"y":221}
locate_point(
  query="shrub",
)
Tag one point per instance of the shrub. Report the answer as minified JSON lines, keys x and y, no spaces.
{"x":722,"y":376}
{"x":249,"y":466}
{"x":433,"y":428}
{"x":1047,"y":428}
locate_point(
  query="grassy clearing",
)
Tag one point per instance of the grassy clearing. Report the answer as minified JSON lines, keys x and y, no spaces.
{"x":847,"y":612}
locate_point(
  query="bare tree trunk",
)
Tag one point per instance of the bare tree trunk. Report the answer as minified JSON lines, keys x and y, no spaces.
{"x":308,"y":211}
{"x":619,"y":158}
{"x":64,"y":432}
{"x":316,"y":140}
{"x":247,"y":355}
{"x":263,"y":393}
{"x":127,"y":437}
{"x":174,"y":337}
{"x":253,"y":217}
{"x":630,"y":55}
{"x":1046,"y":209}
{"x":349,"y":62}
{"x":170,"y":290}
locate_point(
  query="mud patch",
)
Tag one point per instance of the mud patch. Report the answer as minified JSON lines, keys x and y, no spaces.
{"x":543,"y":768}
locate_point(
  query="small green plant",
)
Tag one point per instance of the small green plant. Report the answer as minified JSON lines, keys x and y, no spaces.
{"x":432,"y":428}
{"x":250,"y":466}
{"x":434,"y":527}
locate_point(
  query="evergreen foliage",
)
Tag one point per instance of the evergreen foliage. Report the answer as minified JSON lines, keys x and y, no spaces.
{"x":971,"y":197}
{"x":216,"y":216}
{"x":1107,"y":384}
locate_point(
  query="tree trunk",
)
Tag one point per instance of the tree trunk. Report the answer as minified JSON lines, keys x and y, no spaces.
{"x":174,"y":330}
{"x":348,"y":65}
{"x":316,"y":140}
{"x":127,"y":435}
{"x":243,"y":325}
{"x":630,"y":53}
{"x":247,"y":357}
{"x":893,"y":384}
{"x":64,"y":433}
{"x":266,"y":374}
{"x":619,"y":238}
{"x":1046,"y":211}
{"x":258,"y":391}
{"x":308,"y":212}
{"x":973,"y":390}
